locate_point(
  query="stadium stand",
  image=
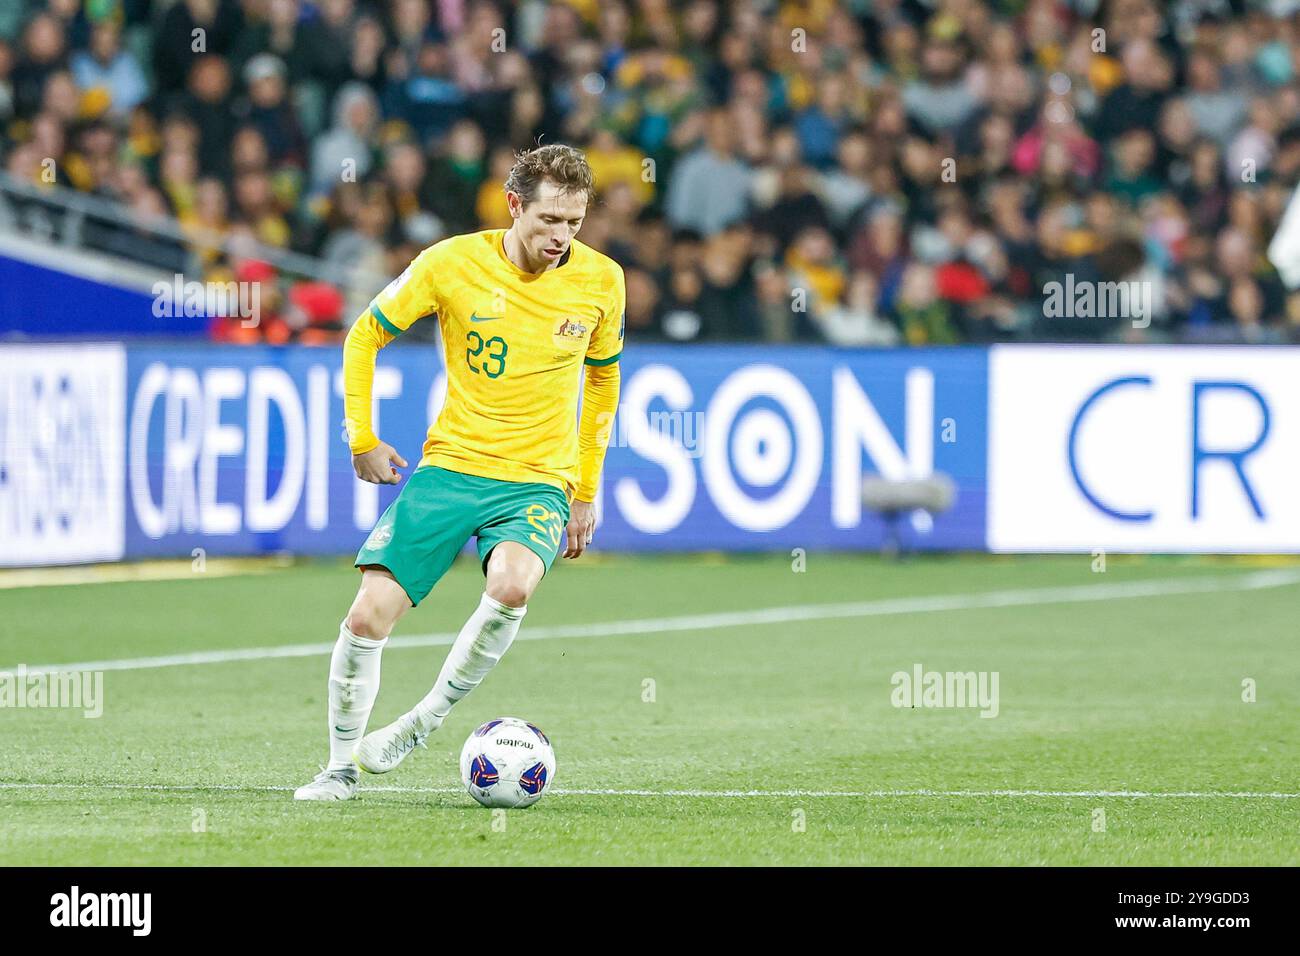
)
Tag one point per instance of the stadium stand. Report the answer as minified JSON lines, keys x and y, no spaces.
{"x":858,"y":173}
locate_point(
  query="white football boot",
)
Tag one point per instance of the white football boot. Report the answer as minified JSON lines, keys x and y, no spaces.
{"x":330,"y":785}
{"x":383,"y":750}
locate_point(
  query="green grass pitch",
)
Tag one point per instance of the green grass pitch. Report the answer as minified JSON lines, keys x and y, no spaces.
{"x":1121,"y":724}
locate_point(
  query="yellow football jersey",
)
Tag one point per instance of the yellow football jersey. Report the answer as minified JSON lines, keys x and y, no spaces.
{"x":515,"y":343}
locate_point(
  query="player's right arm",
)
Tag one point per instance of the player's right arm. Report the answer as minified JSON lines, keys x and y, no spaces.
{"x":372,"y":459}
{"x":406,"y":299}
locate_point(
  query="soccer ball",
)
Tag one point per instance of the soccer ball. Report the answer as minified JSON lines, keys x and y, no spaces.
{"x":507,"y":762}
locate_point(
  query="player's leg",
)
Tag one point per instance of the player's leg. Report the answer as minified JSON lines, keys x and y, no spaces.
{"x":410,"y":548}
{"x":513,"y":573}
{"x":354,"y":678}
{"x":354,"y":666}
{"x":516,"y":546}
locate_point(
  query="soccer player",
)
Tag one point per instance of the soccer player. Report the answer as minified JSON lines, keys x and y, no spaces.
{"x":507,"y":461}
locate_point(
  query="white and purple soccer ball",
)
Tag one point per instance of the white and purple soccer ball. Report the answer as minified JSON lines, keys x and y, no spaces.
{"x":508,"y":763}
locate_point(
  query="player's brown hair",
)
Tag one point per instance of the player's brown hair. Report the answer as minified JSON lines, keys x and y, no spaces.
{"x":563,"y":165}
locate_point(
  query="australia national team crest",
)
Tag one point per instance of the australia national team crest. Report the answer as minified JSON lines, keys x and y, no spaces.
{"x":380,"y":536}
{"x":568,"y":338}
{"x":570,"y":330}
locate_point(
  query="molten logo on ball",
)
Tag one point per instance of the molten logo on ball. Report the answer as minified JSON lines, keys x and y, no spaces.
{"x":507,"y":762}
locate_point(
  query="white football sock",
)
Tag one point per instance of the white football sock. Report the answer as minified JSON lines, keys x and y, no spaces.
{"x":480,"y":644}
{"x":353,"y":687}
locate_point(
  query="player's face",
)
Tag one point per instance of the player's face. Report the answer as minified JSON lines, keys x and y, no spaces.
{"x":548,"y":224}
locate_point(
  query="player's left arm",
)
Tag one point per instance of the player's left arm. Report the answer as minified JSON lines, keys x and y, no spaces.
{"x":599,"y":405}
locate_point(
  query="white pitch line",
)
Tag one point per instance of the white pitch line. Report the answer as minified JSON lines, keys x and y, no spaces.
{"x":1024,"y":597}
{"x":561,"y":791}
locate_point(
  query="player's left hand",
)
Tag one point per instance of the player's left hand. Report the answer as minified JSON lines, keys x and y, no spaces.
{"x":582,"y":525}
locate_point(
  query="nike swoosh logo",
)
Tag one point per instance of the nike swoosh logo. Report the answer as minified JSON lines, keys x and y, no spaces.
{"x":484,"y":318}
{"x":345,"y":730}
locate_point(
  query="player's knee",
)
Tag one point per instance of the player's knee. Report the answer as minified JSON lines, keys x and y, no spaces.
{"x":508,"y":591}
{"x":364,"y":620}
{"x":513,"y":572}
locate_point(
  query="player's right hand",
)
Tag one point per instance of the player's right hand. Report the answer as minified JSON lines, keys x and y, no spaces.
{"x":376,"y":465}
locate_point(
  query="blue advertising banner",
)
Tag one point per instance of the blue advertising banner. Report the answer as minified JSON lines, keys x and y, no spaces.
{"x":112,"y":451}
{"x":241,"y":450}
{"x":746,"y":448}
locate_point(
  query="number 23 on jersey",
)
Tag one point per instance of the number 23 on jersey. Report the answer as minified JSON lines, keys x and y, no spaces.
{"x":487,"y":357}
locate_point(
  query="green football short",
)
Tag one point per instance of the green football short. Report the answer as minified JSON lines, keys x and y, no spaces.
{"x":428,"y":524}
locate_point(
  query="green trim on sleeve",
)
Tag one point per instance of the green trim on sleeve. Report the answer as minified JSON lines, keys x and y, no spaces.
{"x":605,"y":361}
{"x":383,"y":320}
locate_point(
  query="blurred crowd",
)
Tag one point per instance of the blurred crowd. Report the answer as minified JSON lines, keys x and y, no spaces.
{"x":860,"y":172}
